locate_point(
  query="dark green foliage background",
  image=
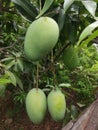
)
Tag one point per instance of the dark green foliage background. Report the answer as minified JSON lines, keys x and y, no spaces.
{"x":18,"y":74}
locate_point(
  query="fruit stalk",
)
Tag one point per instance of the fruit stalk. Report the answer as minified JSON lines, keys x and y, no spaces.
{"x":53,"y":68}
{"x":37,"y":75}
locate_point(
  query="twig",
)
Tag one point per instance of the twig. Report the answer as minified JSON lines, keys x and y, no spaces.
{"x":61,"y":51}
{"x":8,"y":47}
{"x":37,"y":75}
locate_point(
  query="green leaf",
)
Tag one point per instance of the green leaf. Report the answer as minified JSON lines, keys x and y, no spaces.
{"x":19,"y":82}
{"x":61,"y":19}
{"x":9,"y":65}
{"x":26,"y":9}
{"x":11,"y":77}
{"x":96,"y":1}
{"x":67,"y":4}
{"x":46,"y":6}
{"x":65,"y":85}
{"x":20,"y":64}
{"x":91,"y":6}
{"x":7,"y":59}
{"x":4,"y":81}
{"x":2,"y":90}
{"x":90,"y":38}
{"x":74,"y":112}
{"x":87,"y":31}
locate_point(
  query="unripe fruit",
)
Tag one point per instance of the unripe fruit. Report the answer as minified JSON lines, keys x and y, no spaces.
{"x":36,"y":105}
{"x":70,"y":58}
{"x":56,"y":105}
{"x":41,"y":37}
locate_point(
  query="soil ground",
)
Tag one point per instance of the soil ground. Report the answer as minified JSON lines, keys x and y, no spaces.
{"x":13,"y":118}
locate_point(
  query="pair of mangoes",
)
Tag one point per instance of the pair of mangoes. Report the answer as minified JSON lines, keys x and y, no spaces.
{"x":41,"y":37}
{"x":36,"y":105}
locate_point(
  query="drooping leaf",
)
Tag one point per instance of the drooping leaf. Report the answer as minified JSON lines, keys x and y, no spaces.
{"x":7,"y":59}
{"x":26,"y":8}
{"x":87,"y":31}
{"x":46,"y":6}
{"x":4,"y":81}
{"x":18,"y":81}
{"x":2,"y":90}
{"x":91,"y":6}
{"x":61,"y":19}
{"x":11,"y":77}
{"x":9,"y":65}
{"x":90,"y":38}
{"x":20,"y":64}
{"x":67,"y":4}
{"x":74,"y":112}
{"x":67,"y":85}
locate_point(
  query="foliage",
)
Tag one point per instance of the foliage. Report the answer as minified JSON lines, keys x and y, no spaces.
{"x":78,"y":24}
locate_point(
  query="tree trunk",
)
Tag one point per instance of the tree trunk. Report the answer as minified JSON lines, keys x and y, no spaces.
{"x":88,"y":120}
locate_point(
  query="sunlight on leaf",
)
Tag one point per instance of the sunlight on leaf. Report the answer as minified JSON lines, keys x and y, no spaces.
{"x":11,"y":77}
{"x":4,"y":81}
{"x":90,"y":38}
{"x":67,"y":4}
{"x":87,"y":31}
{"x":91,"y":6}
{"x":65,"y":85}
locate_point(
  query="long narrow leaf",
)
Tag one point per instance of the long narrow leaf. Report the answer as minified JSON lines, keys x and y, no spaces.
{"x":4,"y":81}
{"x":87,"y":31}
{"x":11,"y":77}
{"x":67,"y":4}
{"x":61,"y":19}
{"x":90,"y":38}
{"x":26,"y":8}
{"x":91,"y":6}
{"x":46,"y":6}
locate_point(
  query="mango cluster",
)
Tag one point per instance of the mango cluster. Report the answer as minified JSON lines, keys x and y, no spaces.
{"x":37,"y":104}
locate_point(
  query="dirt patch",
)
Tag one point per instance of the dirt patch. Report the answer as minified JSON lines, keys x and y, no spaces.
{"x":13,"y":118}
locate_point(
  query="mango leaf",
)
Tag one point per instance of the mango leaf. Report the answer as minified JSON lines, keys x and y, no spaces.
{"x":61,"y":19}
{"x":87,"y":31}
{"x":19,"y":82}
{"x":67,"y":4}
{"x":11,"y":77}
{"x":90,"y":38}
{"x":7,"y":59}
{"x":96,"y":1}
{"x":20,"y":64}
{"x":2,"y":90}
{"x":90,"y":5}
{"x":9,"y":65}
{"x":46,"y":6}
{"x":74,"y":112}
{"x":4,"y":81}
{"x":67,"y":85}
{"x":26,"y":8}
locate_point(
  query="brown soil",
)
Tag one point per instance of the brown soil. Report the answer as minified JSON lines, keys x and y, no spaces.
{"x":11,"y":119}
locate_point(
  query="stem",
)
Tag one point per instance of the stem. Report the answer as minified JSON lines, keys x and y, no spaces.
{"x":61,"y":51}
{"x":40,"y":5}
{"x":53,"y":68}
{"x":37,"y":75}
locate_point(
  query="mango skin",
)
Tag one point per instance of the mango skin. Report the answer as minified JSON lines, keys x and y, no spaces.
{"x":41,"y":37}
{"x":70,"y":58}
{"x":36,"y":105}
{"x":56,"y":105}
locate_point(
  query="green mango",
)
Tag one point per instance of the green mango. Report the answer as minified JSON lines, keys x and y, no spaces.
{"x":41,"y":37}
{"x":70,"y":58}
{"x":36,"y":105}
{"x":56,"y":105}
